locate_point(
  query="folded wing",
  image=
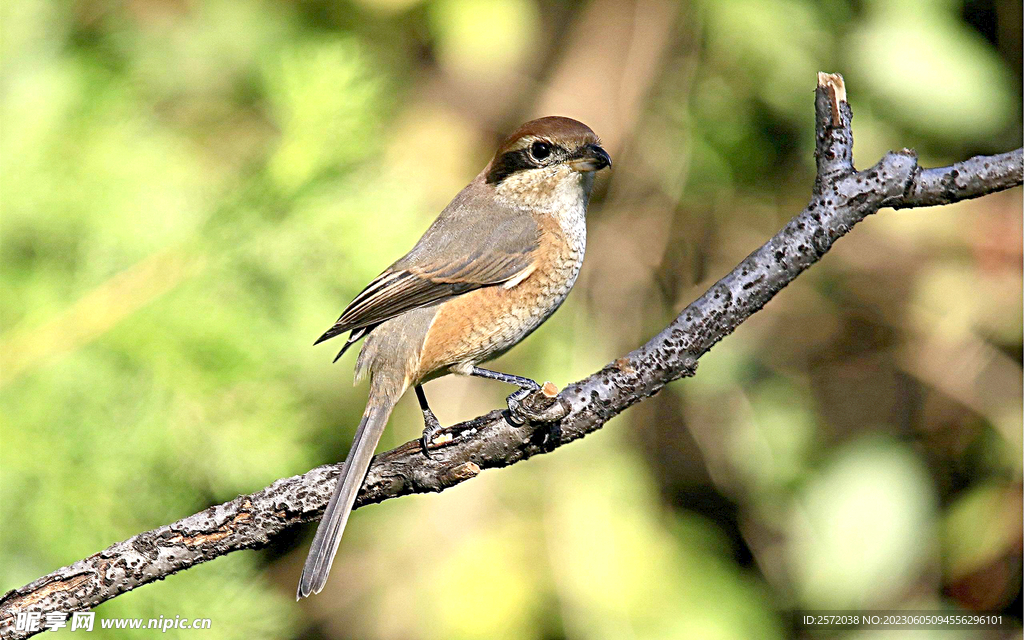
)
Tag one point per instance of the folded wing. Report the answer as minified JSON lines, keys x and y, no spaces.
{"x":463,"y":250}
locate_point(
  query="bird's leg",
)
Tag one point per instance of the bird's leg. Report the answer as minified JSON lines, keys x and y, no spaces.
{"x":519,"y":413}
{"x":431,"y":426}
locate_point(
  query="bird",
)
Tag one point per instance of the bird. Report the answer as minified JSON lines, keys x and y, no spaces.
{"x":494,"y":265}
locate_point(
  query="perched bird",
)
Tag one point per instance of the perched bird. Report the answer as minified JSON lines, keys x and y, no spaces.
{"x":496,"y":263}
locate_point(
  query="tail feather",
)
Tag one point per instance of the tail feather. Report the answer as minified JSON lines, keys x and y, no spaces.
{"x":328,"y":534}
{"x":354,"y":337}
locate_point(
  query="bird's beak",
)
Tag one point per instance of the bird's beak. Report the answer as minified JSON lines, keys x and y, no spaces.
{"x":591,"y":158}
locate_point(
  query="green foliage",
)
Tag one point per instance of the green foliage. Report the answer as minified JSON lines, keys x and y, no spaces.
{"x":192,"y":192}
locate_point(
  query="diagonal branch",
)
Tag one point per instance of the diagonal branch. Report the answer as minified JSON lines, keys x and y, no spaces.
{"x":841,"y":198}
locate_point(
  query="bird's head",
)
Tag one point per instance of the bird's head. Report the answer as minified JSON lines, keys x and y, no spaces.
{"x":547,"y":160}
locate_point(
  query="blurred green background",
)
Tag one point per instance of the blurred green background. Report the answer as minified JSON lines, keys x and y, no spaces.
{"x":192,"y":191}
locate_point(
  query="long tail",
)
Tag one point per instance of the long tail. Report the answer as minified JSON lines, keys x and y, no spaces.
{"x":328,"y":534}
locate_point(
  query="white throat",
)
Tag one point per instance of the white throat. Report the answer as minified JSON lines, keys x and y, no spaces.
{"x":552,"y":190}
{"x":557,"y":191}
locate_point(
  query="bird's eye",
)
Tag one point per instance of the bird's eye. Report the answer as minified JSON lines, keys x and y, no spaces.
{"x":540,"y":150}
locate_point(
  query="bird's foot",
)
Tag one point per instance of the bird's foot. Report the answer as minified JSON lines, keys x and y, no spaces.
{"x":431,"y":427}
{"x":538,"y":404}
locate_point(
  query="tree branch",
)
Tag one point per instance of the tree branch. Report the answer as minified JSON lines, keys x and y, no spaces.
{"x":842,"y":197}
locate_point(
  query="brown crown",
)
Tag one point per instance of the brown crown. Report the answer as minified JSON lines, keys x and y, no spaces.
{"x":560,"y":130}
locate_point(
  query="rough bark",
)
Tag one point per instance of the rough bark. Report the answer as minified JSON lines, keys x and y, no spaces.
{"x":841,"y":198}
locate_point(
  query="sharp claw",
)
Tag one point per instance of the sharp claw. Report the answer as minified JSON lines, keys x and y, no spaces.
{"x":425,"y":445}
{"x":430,"y":431}
{"x":515,"y":415}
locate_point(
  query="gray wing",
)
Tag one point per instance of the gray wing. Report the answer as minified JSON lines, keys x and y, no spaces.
{"x":466,"y":248}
